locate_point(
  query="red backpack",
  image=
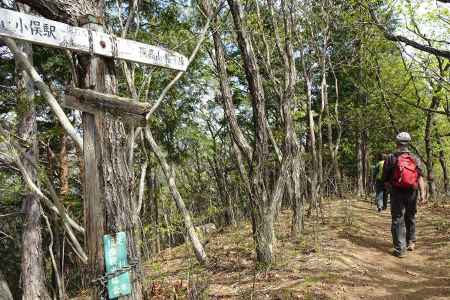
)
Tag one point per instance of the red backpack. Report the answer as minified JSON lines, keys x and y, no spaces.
{"x":405,"y":172}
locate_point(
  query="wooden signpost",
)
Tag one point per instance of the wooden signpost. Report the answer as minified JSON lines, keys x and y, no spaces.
{"x":59,"y":35}
{"x":93,"y":104}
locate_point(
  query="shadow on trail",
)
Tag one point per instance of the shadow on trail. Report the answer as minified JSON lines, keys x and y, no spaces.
{"x":373,"y":273}
{"x":352,"y":261}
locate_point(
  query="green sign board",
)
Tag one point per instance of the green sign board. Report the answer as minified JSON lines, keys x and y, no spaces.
{"x":115,"y":247}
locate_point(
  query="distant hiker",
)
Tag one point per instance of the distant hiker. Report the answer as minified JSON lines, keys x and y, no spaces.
{"x":403,"y":175}
{"x":381,"y":193}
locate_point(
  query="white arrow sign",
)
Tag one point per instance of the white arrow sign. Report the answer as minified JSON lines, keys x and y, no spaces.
{"x":55,"y":34}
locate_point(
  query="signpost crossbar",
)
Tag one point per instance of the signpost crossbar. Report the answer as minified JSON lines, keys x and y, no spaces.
{"x":59,"y":35}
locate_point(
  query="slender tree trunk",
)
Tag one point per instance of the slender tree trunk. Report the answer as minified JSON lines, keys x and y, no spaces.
{"x":81,"y":168}
{"x":263,"y":235}
{"x":429,"y":124}
{"x":156,"y":213}
{"x":443,"y":164}
{"x":320,"y":171}
{"x":323,"y":109}
{"x":297,"y":203}
{"x":334,"y":149}
{"x":334,"y":164}
{"x":33,"y":271}
{"x":365,"y":158}
{"x":153,"y":188}
{"x":33,"y":275}
{"x":359,"y":164}
{"x":63,"y":167}
{"x":221,"y":182}
{"x":312,"y":143}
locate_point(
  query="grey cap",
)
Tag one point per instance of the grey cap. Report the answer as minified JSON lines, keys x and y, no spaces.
{"x":403,"y":138}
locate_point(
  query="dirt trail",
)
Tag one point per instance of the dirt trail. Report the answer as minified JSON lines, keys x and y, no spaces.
{"x":351,"y":261}
{"x":374,"y":274}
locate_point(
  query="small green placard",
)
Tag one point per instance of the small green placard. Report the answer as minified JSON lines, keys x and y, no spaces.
{"x":115,"y":247}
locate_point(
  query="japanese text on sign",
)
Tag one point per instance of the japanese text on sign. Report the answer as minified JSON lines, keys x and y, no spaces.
{"x":34,"y":27}
{"x":56,"y":34}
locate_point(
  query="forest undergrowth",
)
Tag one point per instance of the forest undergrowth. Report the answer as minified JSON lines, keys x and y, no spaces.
{"x":348,"y":259}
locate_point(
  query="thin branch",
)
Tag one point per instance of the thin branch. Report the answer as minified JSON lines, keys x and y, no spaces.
{"x":178,"y":76}
{"x":52,"y":256}
{"x":409,"y":42}
{"x":142,"y":186}
{"x":10,"y":214}
{"x":7,"y":235}
{"x":45,"y":90}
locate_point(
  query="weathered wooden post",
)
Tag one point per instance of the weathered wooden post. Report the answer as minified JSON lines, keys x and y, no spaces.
{"x":108,"y":204}
{"x":92,"y":72}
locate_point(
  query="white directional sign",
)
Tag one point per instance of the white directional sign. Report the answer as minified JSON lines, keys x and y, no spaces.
{"x":55,"y":34}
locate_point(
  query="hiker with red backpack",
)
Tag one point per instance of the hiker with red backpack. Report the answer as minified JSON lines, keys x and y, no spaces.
{"x":402,"y":174}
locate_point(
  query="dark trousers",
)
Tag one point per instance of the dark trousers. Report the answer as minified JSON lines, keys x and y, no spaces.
{"x":403,"y":212}
{"x":381,"y":195}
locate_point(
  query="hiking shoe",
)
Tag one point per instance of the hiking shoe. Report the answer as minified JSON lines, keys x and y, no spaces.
{"x":411,"y":246}
{"x":399,"y":254}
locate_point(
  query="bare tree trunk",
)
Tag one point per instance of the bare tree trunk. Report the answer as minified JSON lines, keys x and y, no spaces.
{"x":443,"y":164}
{"x":429,"y":124}
{"x":33,"y":271}
{"x":320,"y":171}
{"x":81,"y":168}
{"x":359,"y":164}
{"x":312,"y":142}
{"x":153,"y":184}
{"x":365,"y":158}
{"x":297,"y":205}
{"x":262,"y":214}
{"x":221,"y":182}
{"x":323,"y":109}
{"x":323,"y":92}
{"x":334,"y":149}
{"x":33,"y":275}
{"x":63,"y":167}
